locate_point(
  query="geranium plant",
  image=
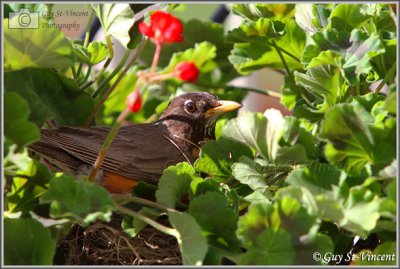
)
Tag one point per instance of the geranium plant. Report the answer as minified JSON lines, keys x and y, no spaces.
{"x":302,"y":189}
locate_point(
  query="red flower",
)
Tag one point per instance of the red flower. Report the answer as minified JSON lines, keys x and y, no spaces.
{"x":134,"y":101}
{"x":187,"y":71}
{"x":163,"y":28}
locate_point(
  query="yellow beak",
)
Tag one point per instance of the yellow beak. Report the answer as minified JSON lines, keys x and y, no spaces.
{"x":225,"y":106}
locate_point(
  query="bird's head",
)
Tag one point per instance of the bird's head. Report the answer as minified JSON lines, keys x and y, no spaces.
{"x":196,"y":113}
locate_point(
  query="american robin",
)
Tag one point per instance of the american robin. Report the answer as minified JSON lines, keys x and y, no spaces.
{"x":139,"y":152}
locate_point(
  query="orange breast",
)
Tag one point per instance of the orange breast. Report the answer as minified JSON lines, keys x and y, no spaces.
{"x":115,"y":183}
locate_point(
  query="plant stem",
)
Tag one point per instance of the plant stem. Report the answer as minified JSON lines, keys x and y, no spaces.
{"x":284,"y":51}
{"x":103,"y":84}
{"x":86,"y":76}
{"x":73,"y":71}
{"x":278,"y":49}
{"x":270,"y":93}
{"x":105,"y":96}
{"x":385,"y":79}
{"x":113,"y":132}
{"x":87,"y":35}
{"x":156,"y":225}
{"x":135,"y":199}
{"x":156,"y":57}
{"x":99,"y":74}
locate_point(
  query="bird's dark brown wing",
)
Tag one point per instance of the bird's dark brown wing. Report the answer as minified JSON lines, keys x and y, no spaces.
{"x":139,"y":152}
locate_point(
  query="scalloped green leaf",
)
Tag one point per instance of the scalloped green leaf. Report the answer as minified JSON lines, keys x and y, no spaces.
{"x":192,"y":243}
{"x":346,"y":17}
{"x":38,"y":48}
{"x":354,"y":142}
{"x":174,"y":183}
{"x":261,"y":132}
{"x":17,"y":127}
{"x":255,"y":11}
{"x":27,"y":242}
{"x":248,"y":57}
{"x":50,"y":94}
{"x":80,"y":200}
{"x":217,"y":157}
{"x":116,"y":20}
{"x":218,"y":222}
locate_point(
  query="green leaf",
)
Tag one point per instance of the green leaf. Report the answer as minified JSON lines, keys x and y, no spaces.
{"x":259,"y":31}
{"x":324,"y":83}
{"x":217,"y":157}
{"x":95,"y":53}
{"x":81,"y":53}
{"x":192,"y":244}
{"x":383,"y":255}
{"x":38,"y":48}
{"x":353,"y":141}
{"x":250,"y":173}
{"x":300,"y":132}
{"x":272,"y":247}
{"x":174,"y":183}
{"x":317,"y":178}
{"x":116,"y":20}
{"x":247,"y":57}
{"x":346,"y":17}
{"x":360,"y":203}
{"x":295,"y":154}
{"x":27,"y":187}
{"x":256,"y":130}
{"x":390,"y":102}
{"x":17,"y":128}
{"x":358,"y":55}
{"x":255,"y":11}
{"x":27,"y":242}
{"x":50,"y":94}
{"x":284,"y":214}
{"x":80,"y":200}
{"x":98,"y":52}
{"x":218,"y":222}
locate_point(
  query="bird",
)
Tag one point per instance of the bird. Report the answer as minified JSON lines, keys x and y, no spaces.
{"x":139,"y":152}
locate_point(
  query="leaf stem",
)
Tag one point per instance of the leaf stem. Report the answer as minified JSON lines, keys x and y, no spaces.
{"x":103,"y":84}
{"x":385,"y":79}
{"x":278,"y":49}
{"x":266,"y":92}
{"x":135,"y":199}
{"x":86,"y":76}
{"x":87,"y":35}
{"x":284,"y":51}
{"x":105,"y":96}
{"x":156,"y":225}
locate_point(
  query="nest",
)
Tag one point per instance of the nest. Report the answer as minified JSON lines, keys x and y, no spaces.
{"x":107,"y":244}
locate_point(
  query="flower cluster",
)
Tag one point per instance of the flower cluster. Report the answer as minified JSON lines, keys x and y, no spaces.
{"x":163,"y":28}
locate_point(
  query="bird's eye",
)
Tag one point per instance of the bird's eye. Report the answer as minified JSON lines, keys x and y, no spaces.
{"x":190,"y":106}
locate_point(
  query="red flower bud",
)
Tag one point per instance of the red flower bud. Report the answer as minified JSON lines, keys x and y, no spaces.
{"x":134,"y":101}
{"x":187,"y":71}
{"x":163,"y":28}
